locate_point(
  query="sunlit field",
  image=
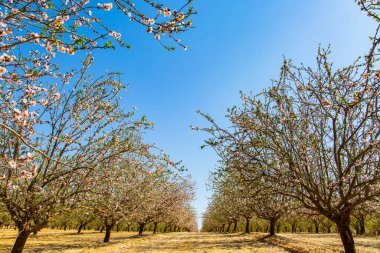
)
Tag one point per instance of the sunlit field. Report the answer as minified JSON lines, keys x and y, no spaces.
{"x":91,"y":241}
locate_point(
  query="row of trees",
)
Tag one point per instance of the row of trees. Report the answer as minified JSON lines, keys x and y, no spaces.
{"x":311,"y":140}
{"x":238,"y":212}
{"x":134,"y":192}
{"x":67,"y":145}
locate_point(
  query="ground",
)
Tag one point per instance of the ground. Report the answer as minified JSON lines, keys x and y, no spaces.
{"x":89,"y":241}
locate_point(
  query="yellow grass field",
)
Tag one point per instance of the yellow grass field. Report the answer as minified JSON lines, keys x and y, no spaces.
{"x":69,"y":242}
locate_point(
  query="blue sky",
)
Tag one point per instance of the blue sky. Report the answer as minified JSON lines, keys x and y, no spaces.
{"x":236,"y":45}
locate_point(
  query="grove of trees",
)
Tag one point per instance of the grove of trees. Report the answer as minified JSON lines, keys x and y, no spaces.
{"x":70,"y":153}
{"x":308,"y":144}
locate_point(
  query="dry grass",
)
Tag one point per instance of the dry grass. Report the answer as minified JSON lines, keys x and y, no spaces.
{"x":322,"y":243}
{"x":69,"y":242}
{"x":90,"y":242}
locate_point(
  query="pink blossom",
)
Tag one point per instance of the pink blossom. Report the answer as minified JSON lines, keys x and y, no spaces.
{"x":30,"y":156}
{"x":106,"y":6}
{"x":3,"y":70}
{"x":167,"y":13}
{"x":43,"y":102}
{"x":57,"y":96}
{"x":12,"y":164}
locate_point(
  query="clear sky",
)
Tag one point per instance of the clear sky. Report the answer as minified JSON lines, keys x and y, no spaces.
{"x":236,"y":45}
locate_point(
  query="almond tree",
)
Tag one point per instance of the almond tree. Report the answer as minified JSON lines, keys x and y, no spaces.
{"x":321,"y":128}
{"x":55,"y":139}
{"x":114,"y":187}
{"x":82,"y":217}
{"x":165,"y":190}
{"x":187,"y":218}
{"x":250,"y":197}
{"x":34,"y":33}
{"x":230,"y":189}
{"x":174,"y":201}
{"x":361,"y":213}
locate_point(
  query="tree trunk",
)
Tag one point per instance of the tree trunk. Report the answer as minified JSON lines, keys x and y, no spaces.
{"x":345,"y":234}
{"x":101,"y":230}
{"x":64,"y":227}
{"x":108,"y":232}
{"x":316,"y":225}
{"x":294,"y":228}
{"x":228,"y":227}
{"x":362,"y":226}
{"x":141,"y":228}
{"x":235,"y":226}
{"x":20,"y":241}
{"x":155,"y":228}
{"x":272,"y":226}
{"x":166,"y":228}
{"x":80,"y":229}
{"x":247,"y":225}
{"x":117,"y":228}
{"x":357,"y":229}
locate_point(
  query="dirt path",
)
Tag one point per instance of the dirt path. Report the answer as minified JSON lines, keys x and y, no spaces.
{"x":90,"y":242}
{"x":187,"y":242}
{"x":49,"y":241}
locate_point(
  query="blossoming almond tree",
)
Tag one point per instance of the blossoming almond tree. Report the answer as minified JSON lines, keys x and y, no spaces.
{"x":33,"y":33}
{"x":55,"y":131}
{"x":54,"y":140}
{"x":321,"y":128}
{"x":114,"y":188}
{"x":166,"y":190}
{"x":175,"y":196}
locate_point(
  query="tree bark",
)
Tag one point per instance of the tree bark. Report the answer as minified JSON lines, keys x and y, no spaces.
{"x":362,"y":226}
{"x":20,"y":241}
{"x":141,"y":228}
{"x":357,"y":229}
{"x":272,"y":226}
{"x":155,"y":228}
{"x":166,"y":228}
{"x":316,"y":225}
{"x":228,"y":227}
{"x":345,"y":233}
{"x":294,"y":228}
{"x":235,"y":226}
{"x":80,"y":229}
{"x":247,"y":225}
{"x":108,"y":232}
